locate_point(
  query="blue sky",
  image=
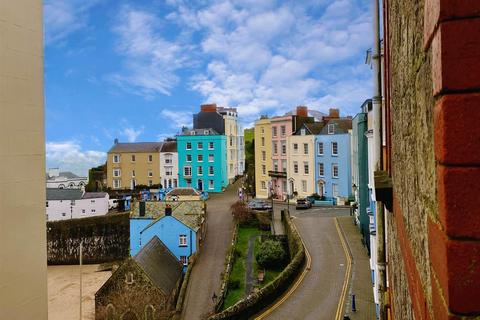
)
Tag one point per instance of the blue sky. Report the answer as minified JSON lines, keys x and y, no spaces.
{"x":137,"y":70}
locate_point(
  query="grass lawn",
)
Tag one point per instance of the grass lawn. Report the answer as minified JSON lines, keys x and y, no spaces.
{"x":238,"y":269}
{"x":270,"y":274}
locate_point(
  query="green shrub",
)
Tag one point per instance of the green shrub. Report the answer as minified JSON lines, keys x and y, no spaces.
{"x":271,"y":254}
{"x":233,"y":284}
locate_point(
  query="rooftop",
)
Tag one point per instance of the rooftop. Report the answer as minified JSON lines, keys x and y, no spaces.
{"x":120,"y":147}
{"x":160,"y":265}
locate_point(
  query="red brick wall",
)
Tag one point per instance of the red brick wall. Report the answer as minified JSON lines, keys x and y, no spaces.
{"x":433,"y":63}
{"x":452,"y":35}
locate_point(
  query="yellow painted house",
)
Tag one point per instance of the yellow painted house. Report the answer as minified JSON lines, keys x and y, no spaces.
{"x":263,"y":156}
{"x":131,"y":164}
{"x":301,"y":163}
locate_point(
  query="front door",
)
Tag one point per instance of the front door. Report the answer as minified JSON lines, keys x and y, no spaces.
{"x":200,"y":185}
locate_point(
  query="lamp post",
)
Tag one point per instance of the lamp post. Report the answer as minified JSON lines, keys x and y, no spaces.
{"x":290,"y":182}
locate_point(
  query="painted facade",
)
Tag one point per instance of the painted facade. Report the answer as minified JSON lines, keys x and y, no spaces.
{"x":360,"y":174}
{"x":202,"y":160}
{"x":64,"y":180}
{"x":301,"y":164}
{"x":263,"y":156}
{"x":333,"y":162}
{"x":132,"y":164}
{"x":281,"y":128}
{"x":169,"y":165}
{"x":178,"y":237}
{"x":241,"y":150}
{"x":64,"y":204}
{"x":231,"y":134}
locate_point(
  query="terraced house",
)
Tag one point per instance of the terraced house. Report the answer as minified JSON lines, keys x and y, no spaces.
{"x":202,"y":160}
{"x":225,"y":122}
{"x":333,"y":160}
{"x":142,"y":163}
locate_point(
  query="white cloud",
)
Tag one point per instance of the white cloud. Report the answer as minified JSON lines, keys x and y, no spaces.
{"x":268,"y":58}
{"x":177,"y":119}
{"x":69,"y":156}
{"x":64,"y":17}
{"x":131,"y":134}
{"x":149,"y":60}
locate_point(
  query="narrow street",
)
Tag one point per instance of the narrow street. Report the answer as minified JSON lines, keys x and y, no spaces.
{"x":205,"y":277}
{"x":318,"y":295}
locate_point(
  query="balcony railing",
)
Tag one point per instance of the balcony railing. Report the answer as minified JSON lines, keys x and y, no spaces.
{"x":277,"y":174}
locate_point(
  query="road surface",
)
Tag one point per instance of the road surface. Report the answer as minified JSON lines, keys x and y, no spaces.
{"x":318,"y":295}
{"x":205,"y":277}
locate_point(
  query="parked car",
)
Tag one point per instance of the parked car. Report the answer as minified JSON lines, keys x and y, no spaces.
{"x":258,"y":204}
{"x":303,"y":204}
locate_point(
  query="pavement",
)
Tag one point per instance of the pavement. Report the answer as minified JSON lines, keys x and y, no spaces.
{"x":64,"y":291}
{"x":317,"y":296}
{"x":361,"y":278}
{"x":205,"y":278}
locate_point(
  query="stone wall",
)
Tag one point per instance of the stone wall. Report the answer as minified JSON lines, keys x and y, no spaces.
{"x":413,"y":161}
{"x":105,"y":239}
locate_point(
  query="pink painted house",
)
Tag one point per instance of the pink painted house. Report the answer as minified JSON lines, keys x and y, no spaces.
{"x":282,"y":127}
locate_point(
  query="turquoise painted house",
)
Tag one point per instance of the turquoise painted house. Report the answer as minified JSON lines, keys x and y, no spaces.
{"x":360,"y":172}
{"x":180,"y":233}
{"x":202,"y":160}
{"x":333,"y":159}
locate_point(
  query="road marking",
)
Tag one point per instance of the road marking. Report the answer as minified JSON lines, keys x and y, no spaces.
{"x":307,"y":268}
{"x":338,"y":315}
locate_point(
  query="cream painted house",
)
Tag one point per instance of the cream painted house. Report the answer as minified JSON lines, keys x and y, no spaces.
{"x":301,"y":163}
{"x":263,"y":156}
{"x":230,"y":118}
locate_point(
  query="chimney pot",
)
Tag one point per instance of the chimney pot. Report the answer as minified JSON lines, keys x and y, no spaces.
{"x":168,"y":210}
{"x":211,"y":107}
{"x":115,"y":141}
{"x":334,"y":113}
{"x":302,"y":111}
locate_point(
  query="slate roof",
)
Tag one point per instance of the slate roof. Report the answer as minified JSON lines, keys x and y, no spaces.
{"x":314,"y":128}
{"x":169,"y":146}
{"x":72,"y":194}
{"x":200,"y":132}
{"x":183,"y":192}
{"x":183,"y":213}
{"x":136,"y":147}
{"x":342,"y":125}
{"x":94,"y":195}
{"x":64,"y":194}
{"x":160,"y":265}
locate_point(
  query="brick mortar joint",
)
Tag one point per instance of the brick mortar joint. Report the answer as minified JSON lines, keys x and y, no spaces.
{"x":441,"y":228}
{"x":428,"y":43}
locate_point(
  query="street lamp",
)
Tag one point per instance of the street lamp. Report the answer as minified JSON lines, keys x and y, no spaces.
{"x":290,"y":182}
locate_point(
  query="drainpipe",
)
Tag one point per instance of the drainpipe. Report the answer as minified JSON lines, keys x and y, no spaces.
{"x":377,"y":142}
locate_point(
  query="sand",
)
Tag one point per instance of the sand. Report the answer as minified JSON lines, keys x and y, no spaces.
{"x":64,"y":291}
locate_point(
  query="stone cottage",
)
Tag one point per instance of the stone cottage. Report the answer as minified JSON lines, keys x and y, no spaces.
{"x":143,"y":287}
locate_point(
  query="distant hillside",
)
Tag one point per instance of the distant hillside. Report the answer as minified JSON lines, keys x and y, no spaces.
{"x":249,"y":134}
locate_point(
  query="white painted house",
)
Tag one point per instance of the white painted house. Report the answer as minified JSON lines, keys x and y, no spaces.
{"x":64,"y":180}
{"x":63,"y":204}
{"x":169,"y":164}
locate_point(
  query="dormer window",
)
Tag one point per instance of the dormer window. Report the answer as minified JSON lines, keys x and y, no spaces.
{"x":331,"y":128}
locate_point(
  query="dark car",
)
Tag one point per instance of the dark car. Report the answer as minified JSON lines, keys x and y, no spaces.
{"x":303,"y":204}
{"x":258,"y":204}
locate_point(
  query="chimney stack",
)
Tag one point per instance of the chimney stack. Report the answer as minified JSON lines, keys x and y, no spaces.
{"x":302,"y":111}
{"x":334,"y":113}
{"x":212,"y":107}
{"x":168,"y":210}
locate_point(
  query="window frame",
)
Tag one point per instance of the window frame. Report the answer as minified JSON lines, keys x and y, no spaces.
{"x":334,"y":146}
{"x":182,"y":240}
